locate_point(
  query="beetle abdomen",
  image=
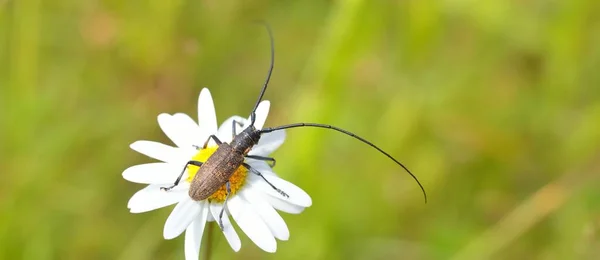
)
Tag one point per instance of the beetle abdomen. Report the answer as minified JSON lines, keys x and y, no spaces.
{"x":215,"y":172}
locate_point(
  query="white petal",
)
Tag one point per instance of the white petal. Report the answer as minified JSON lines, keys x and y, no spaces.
{"x":251,"y":223}
{"x":181,"y":217}
{"x":262,"y":111}
{"x":180,"y":128}
{"x":152,"y":173}
{"x":268,"y":143}
{"x":207,"y":118}
{"x":283,"y":205}
{"x":191,"y":130}
{"x":232,"y":237}
{"x":151,"y":198}
{"x":225,"y":132}
{"x":296,"y":195}
{"x":193,"y":234}
{"x":157,"y":150}
{"x":269,"y":215}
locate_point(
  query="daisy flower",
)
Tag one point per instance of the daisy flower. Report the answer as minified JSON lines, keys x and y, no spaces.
{"x":252,"y":203}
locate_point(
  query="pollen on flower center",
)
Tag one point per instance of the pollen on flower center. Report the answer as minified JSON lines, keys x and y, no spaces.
{"x":236,"y":180}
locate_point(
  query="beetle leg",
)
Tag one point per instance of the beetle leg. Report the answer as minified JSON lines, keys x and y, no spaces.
{"x":214,"y":137}
{"x":196,"y":163}
{"x":234,"y":132}
{"x":263,"y":177}
{"x":263,"y":158}
{"x":228,"y":191}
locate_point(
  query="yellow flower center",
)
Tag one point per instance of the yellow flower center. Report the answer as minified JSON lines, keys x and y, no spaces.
{"x":236,"y":180}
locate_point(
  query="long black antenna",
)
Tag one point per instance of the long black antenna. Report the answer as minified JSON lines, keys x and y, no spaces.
{"x":264,"y":88}
{"x":271,"y":129}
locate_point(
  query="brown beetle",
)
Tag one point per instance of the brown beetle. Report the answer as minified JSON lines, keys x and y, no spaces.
{"x":222,"y":164}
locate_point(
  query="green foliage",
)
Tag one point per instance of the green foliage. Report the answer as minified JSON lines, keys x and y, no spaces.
{"x":495,"y":105}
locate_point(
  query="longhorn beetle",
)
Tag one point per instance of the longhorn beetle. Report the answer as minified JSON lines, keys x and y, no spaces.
{"x":220,"y":166}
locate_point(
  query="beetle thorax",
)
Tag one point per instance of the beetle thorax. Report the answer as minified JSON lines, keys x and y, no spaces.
{"x":245,"y":140}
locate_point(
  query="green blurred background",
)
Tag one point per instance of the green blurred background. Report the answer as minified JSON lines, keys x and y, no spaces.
{"x":494,"y":105}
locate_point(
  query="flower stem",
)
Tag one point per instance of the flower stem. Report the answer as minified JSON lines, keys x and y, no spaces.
{"x":209,"y":241}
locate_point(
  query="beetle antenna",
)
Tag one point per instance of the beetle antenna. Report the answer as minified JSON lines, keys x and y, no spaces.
{"x":271,"y":129}
{"x":264,"y":88}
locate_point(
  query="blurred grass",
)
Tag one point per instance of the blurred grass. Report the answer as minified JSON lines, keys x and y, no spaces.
{"x":495,"y":105}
